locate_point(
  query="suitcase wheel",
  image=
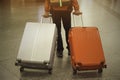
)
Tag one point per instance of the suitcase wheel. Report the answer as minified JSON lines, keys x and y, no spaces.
{"x":50,"y":71}
{"x":21,"y":69}
{"x":16,"y":64}
{"x":100,"y":70}
{"x":74,"y":72}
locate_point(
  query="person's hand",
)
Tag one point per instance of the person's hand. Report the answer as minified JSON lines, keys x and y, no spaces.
{"x":46,"y":15}
{"x":77,"y":12}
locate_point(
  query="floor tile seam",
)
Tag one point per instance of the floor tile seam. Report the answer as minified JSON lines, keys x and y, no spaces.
{"x":8,"y":69}
{"x":12,"y":73}
{"x":7,"y":59}
{"x":116,"y":14}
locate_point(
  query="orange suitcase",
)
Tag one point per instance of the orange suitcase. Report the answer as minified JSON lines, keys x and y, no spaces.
{"x":86,"y":49}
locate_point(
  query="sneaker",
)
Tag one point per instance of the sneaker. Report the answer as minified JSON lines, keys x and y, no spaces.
{"x":60,"y":54}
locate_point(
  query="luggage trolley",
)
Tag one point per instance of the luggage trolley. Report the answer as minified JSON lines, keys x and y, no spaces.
{"x":37,"y":48}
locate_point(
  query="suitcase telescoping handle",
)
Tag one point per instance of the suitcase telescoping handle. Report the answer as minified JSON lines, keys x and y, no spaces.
{"x":50,"y":16}
{"x":74,"y":21}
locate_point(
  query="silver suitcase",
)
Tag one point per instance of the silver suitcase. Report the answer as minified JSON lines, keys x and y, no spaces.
{"x":37,"y":48}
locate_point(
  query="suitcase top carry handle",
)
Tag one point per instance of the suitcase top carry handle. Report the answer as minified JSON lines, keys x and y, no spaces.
{"x":50,"y":16}
{"x":74,"y":21}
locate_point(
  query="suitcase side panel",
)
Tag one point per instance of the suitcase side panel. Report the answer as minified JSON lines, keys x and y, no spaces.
{"x":27,"y":42}
{"x":86,"y":47}
{"x":37,"y":42}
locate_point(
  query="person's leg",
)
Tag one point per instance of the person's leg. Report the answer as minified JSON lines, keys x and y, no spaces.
{"x":66,"y":18}
{"x":57,"y":20}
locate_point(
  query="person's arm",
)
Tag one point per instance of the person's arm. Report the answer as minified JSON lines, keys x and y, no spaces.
{"x":76,"y":7}
{"x":46,"y":8}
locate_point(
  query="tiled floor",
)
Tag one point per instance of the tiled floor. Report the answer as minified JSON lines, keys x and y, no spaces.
{"x":104,"y":14}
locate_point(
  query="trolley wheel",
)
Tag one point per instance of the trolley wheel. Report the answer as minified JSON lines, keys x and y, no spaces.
{"x":74,"y":71}
{"x":16,"y":64}
{"x":50,"y":71}
{"x":100,"y":70}
{"x":21,"y":69}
